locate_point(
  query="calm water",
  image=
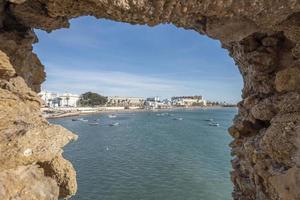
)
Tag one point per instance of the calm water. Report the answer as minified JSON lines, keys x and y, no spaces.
{"x":150,"y":157}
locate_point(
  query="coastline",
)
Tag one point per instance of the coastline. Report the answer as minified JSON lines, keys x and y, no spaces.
{"x":116,"y":111}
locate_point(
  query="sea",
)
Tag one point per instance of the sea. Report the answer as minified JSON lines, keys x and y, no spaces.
{"x":163,"y":155}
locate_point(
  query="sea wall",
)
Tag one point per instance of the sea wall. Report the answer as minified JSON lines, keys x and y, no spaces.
{"x":262,"y":36}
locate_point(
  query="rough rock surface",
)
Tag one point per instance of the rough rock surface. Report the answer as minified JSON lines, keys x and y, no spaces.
{"x":28,"y":142}
{"x":27,"y":182}
{"x":262,"y":36}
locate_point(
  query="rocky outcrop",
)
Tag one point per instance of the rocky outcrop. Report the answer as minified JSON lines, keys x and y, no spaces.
{"x":27,"y":182}
{"x":262,"y":36}
{"x":29,"y":144}
{"x":267,"y":128}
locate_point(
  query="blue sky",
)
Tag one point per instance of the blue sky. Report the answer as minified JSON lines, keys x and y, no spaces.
{"x":114,"y":58}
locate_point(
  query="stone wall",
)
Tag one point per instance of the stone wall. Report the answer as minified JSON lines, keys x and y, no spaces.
{"x":266,"y":131}
{"x":262,"y":36}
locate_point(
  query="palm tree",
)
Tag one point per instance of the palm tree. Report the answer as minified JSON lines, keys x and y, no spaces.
{"x":67,"y":98}
{"x":59,"y":101}
{"x":49,"y":102}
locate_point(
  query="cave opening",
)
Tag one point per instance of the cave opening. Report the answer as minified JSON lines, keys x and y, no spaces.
{"x":262,"y":38}
{"x":118,"y":59}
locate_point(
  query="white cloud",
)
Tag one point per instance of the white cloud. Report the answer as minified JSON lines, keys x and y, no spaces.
{"x":62,"y":78}
{"x":113,"y":83}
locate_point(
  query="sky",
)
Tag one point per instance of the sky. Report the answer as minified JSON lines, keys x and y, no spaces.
{"x":119,"y":59}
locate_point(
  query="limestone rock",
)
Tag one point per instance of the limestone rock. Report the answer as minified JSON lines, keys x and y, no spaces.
{"x":33,"y":144}
{"x":288,"y":80}
{"x":296,"y":51}
{"x":286,"y":130}
{"x":6,"y":69}
{"x":234,"y":132}
{"x":270,"y":41}
{"x":263,"y":112}
{"x":17,"y":1}
{"x":287,"y":184}
{"x":63,"y":172}
{"x":27,"y":183}
{"x":288,"y":102}
{"x":19,"y":50}
{"x":25,"y":139}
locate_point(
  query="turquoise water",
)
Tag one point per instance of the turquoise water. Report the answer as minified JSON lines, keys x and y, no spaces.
{"x":151,"y":157}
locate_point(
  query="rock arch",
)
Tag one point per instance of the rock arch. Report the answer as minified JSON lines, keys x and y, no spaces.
{"x":263,"y":38}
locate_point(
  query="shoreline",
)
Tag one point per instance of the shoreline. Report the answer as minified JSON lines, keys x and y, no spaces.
{"x":84,"y":113}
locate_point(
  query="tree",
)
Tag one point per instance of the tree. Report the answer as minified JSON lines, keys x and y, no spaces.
{"x":92,"y":99}
{"x":59,"y":101}
{"x":67,"y":98}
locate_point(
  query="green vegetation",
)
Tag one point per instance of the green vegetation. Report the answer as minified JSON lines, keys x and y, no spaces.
{"x":92,"y":99}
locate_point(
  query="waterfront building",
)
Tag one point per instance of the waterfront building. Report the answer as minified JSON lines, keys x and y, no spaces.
{"x":68,"y":100}
{"x":153,"y":99}
{"x":53,"y":100}
{"x":188,"y":101}
{"x":167,"y":102}
{"x":156,"y":103}
{"x":152,"y":103}
{"x":125,"y":101}
{"x":48,"y":98}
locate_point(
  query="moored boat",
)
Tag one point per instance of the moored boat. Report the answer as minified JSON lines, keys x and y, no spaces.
{"x":93,"y":123}
{"x":114,"y":124}
{"x":214,"y":124}
{"x":83,"y":120}
{"x":178,"y":118}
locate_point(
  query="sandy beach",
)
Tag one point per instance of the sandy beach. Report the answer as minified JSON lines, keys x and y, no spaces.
{"x":59,"y":113}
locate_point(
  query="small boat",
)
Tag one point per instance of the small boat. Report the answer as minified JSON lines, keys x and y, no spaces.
{"x":74,"y":120}
{"x":114,"y":124}
{"x":178,"y":118}
{"x":214,"y":124}
{"x":83,"y":120}
{"x":209,"y":120}
{"x":93,"y":123}
{"x":112,"y":116}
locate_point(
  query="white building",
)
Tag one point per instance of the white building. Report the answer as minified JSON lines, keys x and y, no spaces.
{"x":48,"y":98}
{"x":68,"y":100}
{"x":188,"y":101}
{"x":125,"y":101}
{"x":153,"y":99}
{"x":155,"y":103}
{"x":53,"y":100}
